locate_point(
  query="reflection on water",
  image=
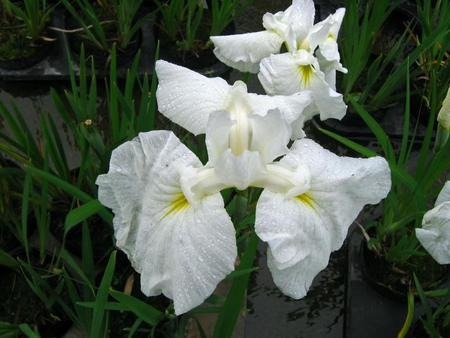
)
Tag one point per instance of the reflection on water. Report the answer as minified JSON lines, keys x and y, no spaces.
{"x":319,"y":314}
{"x":34,"y":103}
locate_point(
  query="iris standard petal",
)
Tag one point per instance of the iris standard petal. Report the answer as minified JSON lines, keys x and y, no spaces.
{"x":435,"y":233}
{"x":244,"y":51}
{"x":303,"y":230}
{"x":279,"y":130}
{"x":186,"y":97}
{"x":180,"y":249}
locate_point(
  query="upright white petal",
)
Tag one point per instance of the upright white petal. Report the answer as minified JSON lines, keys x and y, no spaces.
{"x":245,"y":51}
{"x":287,"y":74}
{"x":270,"y":135}
{"x":186,"y":97}
{"x":303,"y":230}
{"x":217,"y":135}
{"x":180,"y":249}
{"x":300,"y":16}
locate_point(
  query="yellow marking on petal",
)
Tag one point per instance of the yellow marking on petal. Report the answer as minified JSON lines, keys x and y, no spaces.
{"x":178,"y":204}
{"x":306,"y":199}
{"x":306,"y":72}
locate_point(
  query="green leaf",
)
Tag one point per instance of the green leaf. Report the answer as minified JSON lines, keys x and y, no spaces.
{"x":7,"y":260}
{"x":232,"y":307}
{"x":98,"y":318}
{"x":78,"y":215}
{"x":143,"y":310}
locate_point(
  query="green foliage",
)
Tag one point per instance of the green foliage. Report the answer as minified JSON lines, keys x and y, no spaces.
{"x":35,"y":14}
{"x":121,"y":14}
{"x":417,"y":178}
{"x":189,"y":24}
{"x":378,"y":82}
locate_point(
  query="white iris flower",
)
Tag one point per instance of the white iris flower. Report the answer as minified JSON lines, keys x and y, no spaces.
{"x":310,"y":63}
{"x":181,"y":248}
{"x":169,"y":215}
{"x":435,"y":232}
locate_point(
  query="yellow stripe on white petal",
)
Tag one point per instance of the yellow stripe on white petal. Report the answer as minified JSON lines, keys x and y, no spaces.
{"x":302,"y":229}
{"x":182,"y":246}
{"x":287,"y":74}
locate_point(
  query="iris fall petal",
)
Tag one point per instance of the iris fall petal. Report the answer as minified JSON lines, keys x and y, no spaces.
{"x":182,"y":250}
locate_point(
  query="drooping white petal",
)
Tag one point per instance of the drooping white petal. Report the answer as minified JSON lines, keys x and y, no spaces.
{"x":303,"y":230}
{"x":240,"y":171}
{"x":435,"y":233}
{"x":245,"y":51}
{"x":180,"y":249}
{"x":186,"y":97}
{"x":286,"y":74}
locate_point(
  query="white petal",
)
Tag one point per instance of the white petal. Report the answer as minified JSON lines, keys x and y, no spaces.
{"x":180,"y":249}
{"x":282,"y":74}
{"x":286,"y":74}
{"x":435,"y":233}
{"x":444,"y":195}
{"x":186,"y":97}
{"x":217,"y":135}
{"x":270,"y":135}
{"x":295,"y":281}
{"x":301,"y":18}
{"x":291,"y":107}
{"x":303,"y":230}
{"x":244,"y":51}
{"x":240,"y":171}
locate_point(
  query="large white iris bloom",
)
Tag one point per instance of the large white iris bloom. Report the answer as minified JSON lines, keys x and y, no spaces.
{"x":435,"y":232}
{"x":169,"y":215}
{"x":294,"y":28}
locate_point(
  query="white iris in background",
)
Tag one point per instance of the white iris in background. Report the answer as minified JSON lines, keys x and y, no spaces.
{"x":310,"y":62}
{"x":435,"y":232}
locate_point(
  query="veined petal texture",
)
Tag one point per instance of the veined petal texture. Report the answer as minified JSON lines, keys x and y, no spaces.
{"x":180,"y":249}
{"x":303,"y":230}
{"x":186,"y":97}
